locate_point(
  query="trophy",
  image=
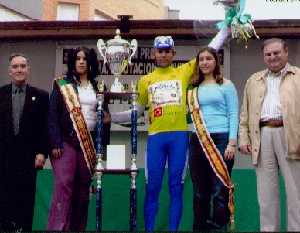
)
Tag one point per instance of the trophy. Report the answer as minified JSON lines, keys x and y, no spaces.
{"x":117,"y":53}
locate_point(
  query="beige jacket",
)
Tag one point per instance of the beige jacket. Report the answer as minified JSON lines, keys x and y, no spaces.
{"x":254,"y":92}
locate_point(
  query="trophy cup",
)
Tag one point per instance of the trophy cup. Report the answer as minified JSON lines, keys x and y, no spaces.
{"x":117,"y":53}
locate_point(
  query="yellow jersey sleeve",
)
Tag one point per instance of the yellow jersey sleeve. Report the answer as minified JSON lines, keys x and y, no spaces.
{"x":188,"y":70}
{"x":143,"y":91}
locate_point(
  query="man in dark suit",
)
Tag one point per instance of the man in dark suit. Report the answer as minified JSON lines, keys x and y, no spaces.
{"x":23,"y":145}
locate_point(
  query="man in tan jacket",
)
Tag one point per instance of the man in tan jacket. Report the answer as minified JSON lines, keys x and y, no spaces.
{"x":270,"y":131}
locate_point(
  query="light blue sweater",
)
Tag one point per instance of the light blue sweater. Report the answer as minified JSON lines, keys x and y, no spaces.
{"x":219,"y":106}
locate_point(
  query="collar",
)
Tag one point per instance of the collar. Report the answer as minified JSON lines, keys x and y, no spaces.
{"x":283,"y":72}
{"x":280,"y":74}
{"x":164,"y":69}
{"x":17,"y":87}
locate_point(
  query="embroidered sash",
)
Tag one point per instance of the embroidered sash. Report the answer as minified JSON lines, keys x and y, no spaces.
{"x":211,"y":151}
{"x":83,"y":134}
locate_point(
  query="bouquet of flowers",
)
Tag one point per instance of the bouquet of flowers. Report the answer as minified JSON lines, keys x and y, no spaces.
{"x":240,"y":24}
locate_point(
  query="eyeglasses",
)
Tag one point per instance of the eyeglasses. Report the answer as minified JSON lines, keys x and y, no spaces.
{"x":15,"y":66}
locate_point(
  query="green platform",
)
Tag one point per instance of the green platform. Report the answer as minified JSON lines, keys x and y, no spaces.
{"x":116,"y":203}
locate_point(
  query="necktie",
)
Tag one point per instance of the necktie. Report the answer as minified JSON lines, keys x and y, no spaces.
{"x":18,"y":108}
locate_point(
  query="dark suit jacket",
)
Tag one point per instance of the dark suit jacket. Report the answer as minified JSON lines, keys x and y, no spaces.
{"x":17,"y":154}
{"x":60,"y":125}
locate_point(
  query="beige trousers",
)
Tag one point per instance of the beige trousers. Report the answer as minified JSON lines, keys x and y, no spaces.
{"x":273,"y":159}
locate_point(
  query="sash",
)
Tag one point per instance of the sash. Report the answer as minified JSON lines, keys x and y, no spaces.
{"x":83,"y":134}
{"x":211,"y":151}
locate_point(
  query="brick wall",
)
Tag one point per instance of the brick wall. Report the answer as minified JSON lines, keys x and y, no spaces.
{"x":50,"y":8}
{"x":140,"y":9}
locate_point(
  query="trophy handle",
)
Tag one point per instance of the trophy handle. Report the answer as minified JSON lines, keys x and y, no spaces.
{"x":100,"y":86}
{"x":133,"y":48}
{"x":102,"y":49}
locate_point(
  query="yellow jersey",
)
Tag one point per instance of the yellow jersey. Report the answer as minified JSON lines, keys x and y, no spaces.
{"x":164,"y":91}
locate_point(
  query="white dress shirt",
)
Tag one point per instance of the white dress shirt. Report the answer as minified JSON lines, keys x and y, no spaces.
{"x":271,"y":107}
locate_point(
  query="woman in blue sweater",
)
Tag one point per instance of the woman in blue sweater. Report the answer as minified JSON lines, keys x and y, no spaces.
{"x":217,"y":102}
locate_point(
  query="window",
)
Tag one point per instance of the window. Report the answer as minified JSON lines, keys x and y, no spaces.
{"x":67,"y":11}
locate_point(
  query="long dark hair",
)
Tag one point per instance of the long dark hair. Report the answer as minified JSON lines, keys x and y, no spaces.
{"x":198,"y":76}
{"x":92,"y":64}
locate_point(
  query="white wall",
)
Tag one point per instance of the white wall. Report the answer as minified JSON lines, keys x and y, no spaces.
{"x":30,"y":8}
{"x":8,"y":15}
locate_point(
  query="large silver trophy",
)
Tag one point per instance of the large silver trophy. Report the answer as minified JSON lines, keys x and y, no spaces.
{"x":117,"y":53}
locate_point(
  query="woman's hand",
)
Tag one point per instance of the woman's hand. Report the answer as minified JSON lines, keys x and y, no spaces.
{"x":106,"y":118}
{"x":230,"y":151}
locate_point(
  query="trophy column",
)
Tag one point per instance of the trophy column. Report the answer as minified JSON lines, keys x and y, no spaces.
{"x":133,"y":167}
{"x":100,"y":154}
